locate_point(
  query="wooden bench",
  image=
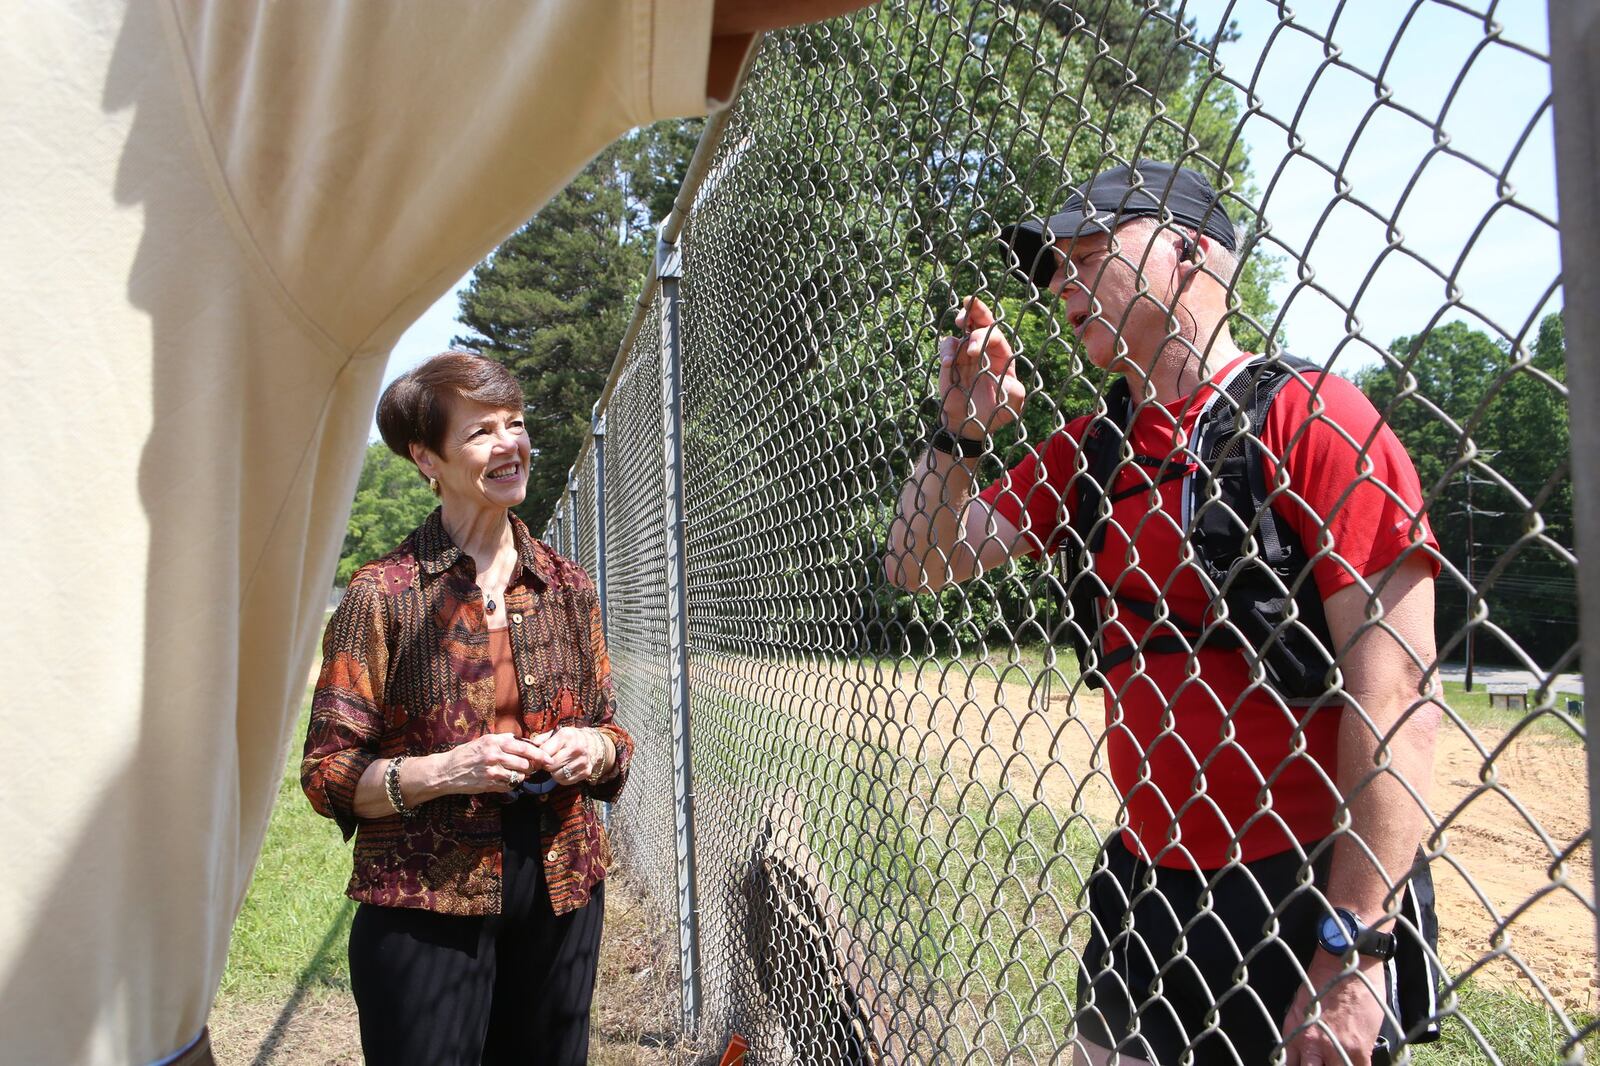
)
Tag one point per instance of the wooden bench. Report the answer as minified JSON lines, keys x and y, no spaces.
{"x":1509,"y":695}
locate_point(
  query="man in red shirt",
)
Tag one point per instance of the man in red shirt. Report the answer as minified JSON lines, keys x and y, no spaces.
{"x":1236,"y":790}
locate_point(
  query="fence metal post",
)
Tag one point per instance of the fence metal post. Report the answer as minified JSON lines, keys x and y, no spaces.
{"x":1575,"y":81}
{"x":669,"y":269}
{"x":598,"y":435}
{"x":574,"y":533}
{"x":565,"y":535}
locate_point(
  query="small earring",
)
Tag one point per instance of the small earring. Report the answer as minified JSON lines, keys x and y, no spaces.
{"x":433,"y":485}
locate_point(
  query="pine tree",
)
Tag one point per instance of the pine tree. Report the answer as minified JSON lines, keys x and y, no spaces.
{"x":552,"y":303}
{"x":391,"y":500}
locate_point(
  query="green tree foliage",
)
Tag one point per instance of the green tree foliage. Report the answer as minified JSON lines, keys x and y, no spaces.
{"x":653,"y":160}
{"x":1469,"y":407}
{"x":391,"y":500}
{"x":552,"y":304}
{"x":882,"y":162}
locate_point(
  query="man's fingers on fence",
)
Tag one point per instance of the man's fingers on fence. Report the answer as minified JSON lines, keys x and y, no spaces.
{"x":990,"y":346}
{"x":975,"y":315}
{"x":1002,"y":361}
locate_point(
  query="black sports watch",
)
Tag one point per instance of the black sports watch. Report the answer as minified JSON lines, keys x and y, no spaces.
{"x":942,"y":440}
{"x":1340,"y":931}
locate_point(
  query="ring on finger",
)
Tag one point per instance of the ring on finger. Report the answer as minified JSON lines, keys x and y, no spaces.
{"x":514,"y":780}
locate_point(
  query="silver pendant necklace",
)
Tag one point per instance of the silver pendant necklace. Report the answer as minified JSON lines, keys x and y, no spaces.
{"x":489,"y":604}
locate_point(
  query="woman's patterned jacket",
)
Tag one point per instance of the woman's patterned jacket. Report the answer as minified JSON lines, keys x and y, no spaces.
{"x":406,"y":671}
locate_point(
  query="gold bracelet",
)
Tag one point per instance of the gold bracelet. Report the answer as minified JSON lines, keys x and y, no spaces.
{"x":607,"y":760}
{"x":391,"y":785}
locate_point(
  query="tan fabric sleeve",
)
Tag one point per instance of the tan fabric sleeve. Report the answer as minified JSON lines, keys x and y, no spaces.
{"x":240,"y":205}
{"x":374,"y":151}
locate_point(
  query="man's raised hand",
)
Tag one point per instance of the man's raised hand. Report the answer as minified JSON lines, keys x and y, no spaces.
{"x":978,"y":383}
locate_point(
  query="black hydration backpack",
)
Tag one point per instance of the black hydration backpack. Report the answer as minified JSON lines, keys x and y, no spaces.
{"x":1265,"y":602}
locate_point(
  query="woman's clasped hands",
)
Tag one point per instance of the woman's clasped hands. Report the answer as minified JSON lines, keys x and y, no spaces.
{"x":501,"y":762}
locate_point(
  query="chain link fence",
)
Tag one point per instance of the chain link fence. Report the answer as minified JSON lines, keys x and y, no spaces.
{"x":875,"y":812}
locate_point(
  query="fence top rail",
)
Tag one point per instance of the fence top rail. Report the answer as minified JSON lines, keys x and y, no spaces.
{"x":670,"y":230}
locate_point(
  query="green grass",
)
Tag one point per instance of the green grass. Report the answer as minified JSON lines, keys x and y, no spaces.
{"x":969,"y":892}
{"x":293,"y":929}
{"x":1474,"y":710}
{"x":1520,"y":1031}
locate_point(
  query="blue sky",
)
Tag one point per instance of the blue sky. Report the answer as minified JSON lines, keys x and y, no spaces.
{"x":1504,"y":271}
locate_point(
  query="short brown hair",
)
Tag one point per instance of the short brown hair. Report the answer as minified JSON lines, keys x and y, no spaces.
{"x":415,"y":408}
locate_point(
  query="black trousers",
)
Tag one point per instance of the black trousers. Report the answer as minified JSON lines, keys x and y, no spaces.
{"x":1171,"y":968}
{"x":446,"y":990}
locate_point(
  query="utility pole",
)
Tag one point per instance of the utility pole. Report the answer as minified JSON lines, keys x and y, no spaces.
{"x":1472,"y":544}
{"x":1472,"y":585}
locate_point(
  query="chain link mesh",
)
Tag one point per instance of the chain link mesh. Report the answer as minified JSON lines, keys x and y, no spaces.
{"x":900,"y":799}
{"x":587,"y":549}
{"x":636,"y":610}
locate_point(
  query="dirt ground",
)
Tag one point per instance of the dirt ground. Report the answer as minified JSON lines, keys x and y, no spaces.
{"x":635,"y":1007}
{"x":1510,"y":913}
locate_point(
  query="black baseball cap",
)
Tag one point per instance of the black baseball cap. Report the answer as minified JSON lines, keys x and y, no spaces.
{"x":1112,"y":197}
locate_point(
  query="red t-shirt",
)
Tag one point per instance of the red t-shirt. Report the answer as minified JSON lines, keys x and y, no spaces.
{"x":1196,"y":761}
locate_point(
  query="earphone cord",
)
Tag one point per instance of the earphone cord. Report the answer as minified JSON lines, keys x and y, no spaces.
{"x":1177,"y":303}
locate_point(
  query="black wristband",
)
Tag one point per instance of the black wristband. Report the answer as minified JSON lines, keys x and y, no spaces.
{"x":942,"y":440}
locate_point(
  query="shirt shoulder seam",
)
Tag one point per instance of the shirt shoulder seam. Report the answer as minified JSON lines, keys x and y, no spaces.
{"x":205,"y":149}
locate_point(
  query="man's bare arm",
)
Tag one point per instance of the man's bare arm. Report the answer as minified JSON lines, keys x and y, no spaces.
{"x":1386,"y":740}
{"x":1383,"y":662}
{"x":943,"y":533}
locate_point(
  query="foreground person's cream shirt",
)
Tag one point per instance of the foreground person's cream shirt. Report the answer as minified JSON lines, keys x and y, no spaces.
{"x":218,"y":219}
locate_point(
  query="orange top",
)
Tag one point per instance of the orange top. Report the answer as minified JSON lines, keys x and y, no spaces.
{"x":507,"y":698}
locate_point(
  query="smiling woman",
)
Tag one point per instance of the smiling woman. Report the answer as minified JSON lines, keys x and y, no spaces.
{"x":461,"y":729}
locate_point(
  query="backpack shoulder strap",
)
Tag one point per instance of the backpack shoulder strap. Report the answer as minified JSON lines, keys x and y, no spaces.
{"x":1251,"y":389}
{"x":1218,"y":438}
{"x":1101,"y":448}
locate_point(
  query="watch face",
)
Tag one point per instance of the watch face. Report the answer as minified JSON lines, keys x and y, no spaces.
{"x":1333,"y":934}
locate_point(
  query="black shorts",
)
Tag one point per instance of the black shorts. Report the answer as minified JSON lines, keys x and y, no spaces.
{"x":1179,"y":961}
